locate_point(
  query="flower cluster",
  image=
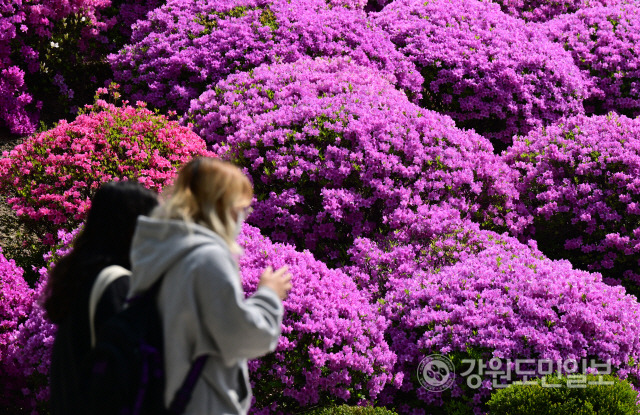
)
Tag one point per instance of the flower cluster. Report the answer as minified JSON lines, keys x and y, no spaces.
{"x":52,"y":55}
{"x":332,"y":344}
{"x":487,"y":70}
{"x":434,"y":241}
{"x":26,"y":365}
{"x":36,"y":36}
{"x":50,"y":178}
{"x":603,"y":42}
{"x":15,"y":302}
{"x":504,"y":301}
{"x":579,"y":180}
{"x":128,"y":12}
{"x":185,"y":47}
{"x":543,"y":10}
{"x":336,"y":152}
{"x":349,"y":4}
{"x":16,"y":308}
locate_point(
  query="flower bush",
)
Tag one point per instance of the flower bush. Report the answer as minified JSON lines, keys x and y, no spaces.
{"x":128,"y":13}
{"x":349,"y":4}
{"x":485,"y":69}
{"x":335,"y":152}
{"x":41,"y":42}
{"x":26,"y":359}
{"x":579,"y":180}
{"x":15,"y":302}
{"x":49,"y":179}
{"x":602,"y":41}
{"x":16,"y":305}
{"x":543,"y":10}
{"x":332,"y":347}
{"x":185,"y":47}
{"x":52,"y":55}
{"x":502,"y":300}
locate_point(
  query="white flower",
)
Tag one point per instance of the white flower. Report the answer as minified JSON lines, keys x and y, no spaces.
{"x":54,"y":44}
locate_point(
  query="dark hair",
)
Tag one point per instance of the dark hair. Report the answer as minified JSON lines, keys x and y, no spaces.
{"x":105,"y":240}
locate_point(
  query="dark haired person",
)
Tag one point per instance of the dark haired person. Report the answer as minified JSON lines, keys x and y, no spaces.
{"x":105,"y":240}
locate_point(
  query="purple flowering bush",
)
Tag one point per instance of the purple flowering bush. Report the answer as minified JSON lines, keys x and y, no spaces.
{"x":495,"y":299}
{"x":42,"y":45}
{"x":487,"y":70}
{"x":349,"y":4}
{"x":25,"y":363}
{"x":49,"y":178}
{"x":185,"y":47}
{"x":543,"y":10}
{"x":16,"y":307}
{"x":127,"y":13}
{"x":579,"y":180}
{"x":603,"y":42}
{"x":335,"y":152}
{"x":332,"y":347}
{"x":52,"y":55}
{"x":15,"y":302}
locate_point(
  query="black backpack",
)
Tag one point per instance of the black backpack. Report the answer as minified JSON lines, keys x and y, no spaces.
{"x":127,"y":367}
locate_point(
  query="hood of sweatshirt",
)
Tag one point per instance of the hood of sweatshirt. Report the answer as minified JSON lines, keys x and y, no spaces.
{"x":158,"y":244}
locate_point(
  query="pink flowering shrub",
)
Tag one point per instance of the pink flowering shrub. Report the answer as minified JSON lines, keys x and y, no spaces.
{"x":49,"y":179}
{"x":543,"y":10}
{"x":487,"y":70}
{"x":185,"y":47}
{"x":336,"y":152}
{"x":332,"y":347}
{"x":579,"y":180}
{"x":603,"y":42}
{"x":497,"y":299}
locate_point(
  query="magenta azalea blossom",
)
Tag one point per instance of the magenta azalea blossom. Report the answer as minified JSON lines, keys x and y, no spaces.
{"x":543,"y":10}
{"x":479,"y":295}
{"x":487,"y":70}
{"x":336,"y":152}
{"x":604,"y":44}
{"x":50,"y":177}
{"x":579,"y":180}
{"x":186,"y":46}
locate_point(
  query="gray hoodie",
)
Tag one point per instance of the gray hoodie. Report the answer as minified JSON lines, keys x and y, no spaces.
{"x":204,"y":311}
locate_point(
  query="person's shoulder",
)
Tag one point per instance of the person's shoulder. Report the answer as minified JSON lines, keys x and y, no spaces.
{"x":211,"y":254}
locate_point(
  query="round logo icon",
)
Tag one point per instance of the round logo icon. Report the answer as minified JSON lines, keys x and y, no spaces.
{"x":436,"y":373}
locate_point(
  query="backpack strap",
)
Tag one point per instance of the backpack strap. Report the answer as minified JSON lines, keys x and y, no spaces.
{"x":183,"y":395}
{"x":103,"y":280}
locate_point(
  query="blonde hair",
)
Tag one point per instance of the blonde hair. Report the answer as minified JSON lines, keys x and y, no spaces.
{"x":205,"y":192}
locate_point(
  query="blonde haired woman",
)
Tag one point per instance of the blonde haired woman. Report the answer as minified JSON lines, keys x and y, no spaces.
{"x":190,"y":241}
